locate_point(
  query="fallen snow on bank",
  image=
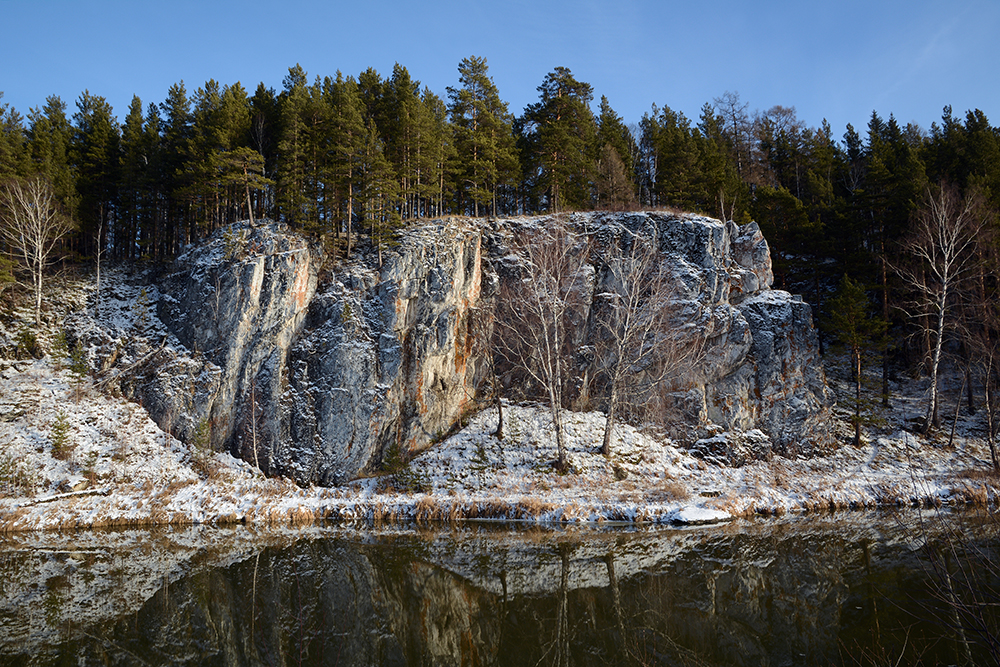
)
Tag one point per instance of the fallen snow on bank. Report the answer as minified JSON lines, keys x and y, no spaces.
{"x":121,"y":469}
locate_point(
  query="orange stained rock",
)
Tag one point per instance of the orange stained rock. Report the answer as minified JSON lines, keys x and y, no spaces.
{"x":300,"y":289}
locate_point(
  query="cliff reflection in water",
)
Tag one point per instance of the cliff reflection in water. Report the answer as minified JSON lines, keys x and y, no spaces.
{"x":843,"y":590}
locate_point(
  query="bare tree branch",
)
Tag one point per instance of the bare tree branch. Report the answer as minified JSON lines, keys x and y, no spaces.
{"x":941,"y":246}
{"x":641,"y":342}
{"x":536,"y":310}
{"x":32,"y":226}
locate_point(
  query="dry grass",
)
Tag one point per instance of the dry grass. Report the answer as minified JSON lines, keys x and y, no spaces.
{"x":982,"y":475}
{"x":429,"y":510}
{"x":666,"y":491}
{"x":531,"y":508}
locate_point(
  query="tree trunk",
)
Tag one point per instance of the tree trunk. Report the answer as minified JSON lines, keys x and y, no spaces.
{"x":498,"y":434}
{"x":616,"y":600}
{"x":885,"y":317}
{"x":990,"y":401}
{"x":556,"y":409}
{"x":38,"y":296}
{"x":932,"y":418}
{"x":350,"y":215}
{"x":857,"y":397}
{"x":610,"y":423}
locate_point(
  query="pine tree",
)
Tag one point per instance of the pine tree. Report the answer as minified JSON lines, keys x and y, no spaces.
{"x":95,"y":151}
{"x":318,"y":124}
{"x":242,"y":168}
{"x":611,"y":131}
{"x":893,"y":181}
{"x":483,"y":135}
{"x":264,"y":124}
{"x":292,"y":148}
{"x":441,"y":157}
{"x":49,"y":138}
{"x":677,"y":161}
{"x":153,"y":239}
{"x":176,"y":133}
{"x":13,"y":149}
{"x":349,"y":135}
{"x":559,"y":130}
{"x":861,"y":334}
{"x":233,"y":135}
{"x":134,"y":163}
{"x":201,"y":189}
{"x":379,"y":191}
{"x":371,"y":90}
{"x":965,"y":155}
{"x":404,"y":133}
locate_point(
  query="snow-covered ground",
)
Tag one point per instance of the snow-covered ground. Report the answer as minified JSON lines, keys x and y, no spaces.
{"x":117,"y":467}
{"x":121,"y":469}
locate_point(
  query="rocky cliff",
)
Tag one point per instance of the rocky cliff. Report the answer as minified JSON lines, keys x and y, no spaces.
{"x":321,"y":369}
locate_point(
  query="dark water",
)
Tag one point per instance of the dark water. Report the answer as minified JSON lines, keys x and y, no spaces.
{"x":849,"y":589}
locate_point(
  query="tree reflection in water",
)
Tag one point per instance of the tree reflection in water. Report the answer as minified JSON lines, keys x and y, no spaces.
{"x":850,"y":589}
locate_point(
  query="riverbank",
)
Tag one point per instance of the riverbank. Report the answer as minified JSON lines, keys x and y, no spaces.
{"x":72,"y":457}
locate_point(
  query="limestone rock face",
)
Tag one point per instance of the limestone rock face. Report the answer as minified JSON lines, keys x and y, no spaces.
{"x":760,"y":367}
{"x":325,"y":379}
{"x":385,"y":362}
{"x":790,"y":396}
{"x":238,"y":302}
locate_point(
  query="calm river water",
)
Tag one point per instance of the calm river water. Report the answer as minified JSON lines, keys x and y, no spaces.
{"x":844,"y":589}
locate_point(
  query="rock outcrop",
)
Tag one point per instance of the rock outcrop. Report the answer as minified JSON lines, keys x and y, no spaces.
{"x":385,"y":363}
{"x":324,"y":371}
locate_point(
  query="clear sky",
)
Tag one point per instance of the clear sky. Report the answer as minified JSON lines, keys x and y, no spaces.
{"x":835,"y":59}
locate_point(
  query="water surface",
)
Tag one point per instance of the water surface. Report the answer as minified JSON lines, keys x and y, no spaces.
{"x":847,"y":589}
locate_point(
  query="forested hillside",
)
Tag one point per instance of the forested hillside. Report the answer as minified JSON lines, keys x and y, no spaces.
{"x":355,"y":158}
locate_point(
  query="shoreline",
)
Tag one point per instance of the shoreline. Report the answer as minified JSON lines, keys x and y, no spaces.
{"x":140,"y":476}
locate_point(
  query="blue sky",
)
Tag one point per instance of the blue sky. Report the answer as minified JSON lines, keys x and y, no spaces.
{"x":835,"y":60}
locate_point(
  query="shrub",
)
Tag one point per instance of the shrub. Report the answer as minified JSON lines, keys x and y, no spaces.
{"x":234,"y":244}
{"x":16,"y":478}
{"x":27,"y":345}
{"x":90,"y":467}
{"x":79,"y":369}
{"x":60,"y":349}
{"x":400,"y":477}
{"x":61,"y":445}
{"x":202,"y":457}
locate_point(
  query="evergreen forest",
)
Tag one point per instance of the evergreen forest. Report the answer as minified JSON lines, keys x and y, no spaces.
{"x":352,"y":160}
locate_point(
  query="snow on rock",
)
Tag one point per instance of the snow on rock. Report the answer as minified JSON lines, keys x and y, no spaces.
{"x":324,"y":380}
{"x":122,"y":470}
{"x":694,"y":516}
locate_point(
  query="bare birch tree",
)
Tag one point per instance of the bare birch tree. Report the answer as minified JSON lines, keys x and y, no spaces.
{"x":31,"y":225}
{"x":941,"y":245}
{"x":535,"y":311}
{"x":640,"y":341}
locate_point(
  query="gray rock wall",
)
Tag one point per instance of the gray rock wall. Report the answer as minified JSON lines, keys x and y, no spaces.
{"x":238,"y":302}
{"x":323,"y":380}
{"x":385,"y":364}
